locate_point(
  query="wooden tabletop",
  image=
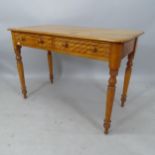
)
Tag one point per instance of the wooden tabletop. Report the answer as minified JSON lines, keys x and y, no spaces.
{"x":109,"y":35}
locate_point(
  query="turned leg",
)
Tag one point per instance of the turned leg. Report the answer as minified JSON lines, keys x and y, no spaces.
{"x":128,"y":74}
{"x":110,"y":99}
{"x":50,"y":65}
{"x":20,"y":70}
{"x":127,"y":78}
{"x":114,"y":64}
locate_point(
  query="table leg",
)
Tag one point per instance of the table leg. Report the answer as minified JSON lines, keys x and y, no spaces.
{"x":50,"y":65}
{"x":110,"y":99}
{"x":20,"y":70}
{"x":114,"y":64}
{"x":127,"y":76}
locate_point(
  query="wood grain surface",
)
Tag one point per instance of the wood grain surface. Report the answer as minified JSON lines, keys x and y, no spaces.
{"x":110,"y":35}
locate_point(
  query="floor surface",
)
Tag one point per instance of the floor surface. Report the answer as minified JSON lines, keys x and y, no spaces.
{"x":65,"y":118}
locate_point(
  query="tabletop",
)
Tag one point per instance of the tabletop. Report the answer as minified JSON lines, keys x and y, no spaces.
{"x":101,"y":34}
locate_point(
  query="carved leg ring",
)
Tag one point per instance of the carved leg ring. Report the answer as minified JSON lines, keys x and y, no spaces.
{"x":110,"y":99}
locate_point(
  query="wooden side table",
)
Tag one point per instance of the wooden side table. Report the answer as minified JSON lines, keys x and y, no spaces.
{"x":100,"y":44}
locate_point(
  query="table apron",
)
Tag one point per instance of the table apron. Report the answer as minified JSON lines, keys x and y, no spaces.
{"x":71,"y":46}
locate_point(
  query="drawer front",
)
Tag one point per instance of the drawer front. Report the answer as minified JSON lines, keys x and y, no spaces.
{"x":33,"y":40}
{"x":82,"y":48}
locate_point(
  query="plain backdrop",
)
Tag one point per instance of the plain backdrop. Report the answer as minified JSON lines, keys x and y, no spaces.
{"x":126,"y":14}
{"x":66,"y":118}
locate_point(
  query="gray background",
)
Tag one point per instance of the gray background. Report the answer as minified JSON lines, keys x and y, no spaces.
{"x":66,"y":118}
{"x":139,"y":14}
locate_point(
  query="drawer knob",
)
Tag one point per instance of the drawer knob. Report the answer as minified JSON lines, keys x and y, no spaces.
{"x":95,"y":50}
{"x":66,"y":45}
{"x":41,"y":41}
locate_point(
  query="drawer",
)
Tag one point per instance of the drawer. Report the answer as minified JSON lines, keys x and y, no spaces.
{"x":83,"y":48}
{"x":33,"y":40}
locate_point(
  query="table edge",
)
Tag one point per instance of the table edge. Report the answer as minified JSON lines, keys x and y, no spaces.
{"x":76,"y":37}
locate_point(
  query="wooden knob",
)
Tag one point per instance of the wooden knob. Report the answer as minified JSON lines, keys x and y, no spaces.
{"x":95,"y":50}
{"x":65,"y":45}
{"x":41,"y":41}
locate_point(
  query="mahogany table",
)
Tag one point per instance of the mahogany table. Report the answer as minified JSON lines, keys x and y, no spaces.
{"x":95,"y":43}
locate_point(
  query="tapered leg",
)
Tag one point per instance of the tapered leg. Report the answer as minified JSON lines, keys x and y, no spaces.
{"x":128,"y":75}
{"x":110,"y":99}
{"x":50,"y":65}
{"x":127,"y":78}
{"x":20,"y":70}
{"x":114,"y":64}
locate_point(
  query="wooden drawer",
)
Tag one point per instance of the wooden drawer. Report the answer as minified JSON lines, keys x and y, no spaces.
{"x":83,"y":48}
{"x":33,"y":40}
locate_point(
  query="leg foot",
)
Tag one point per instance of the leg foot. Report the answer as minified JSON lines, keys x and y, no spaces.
{"x":106,"y":126}
{"x":123,"y":100}
{"x":24,"y":94}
